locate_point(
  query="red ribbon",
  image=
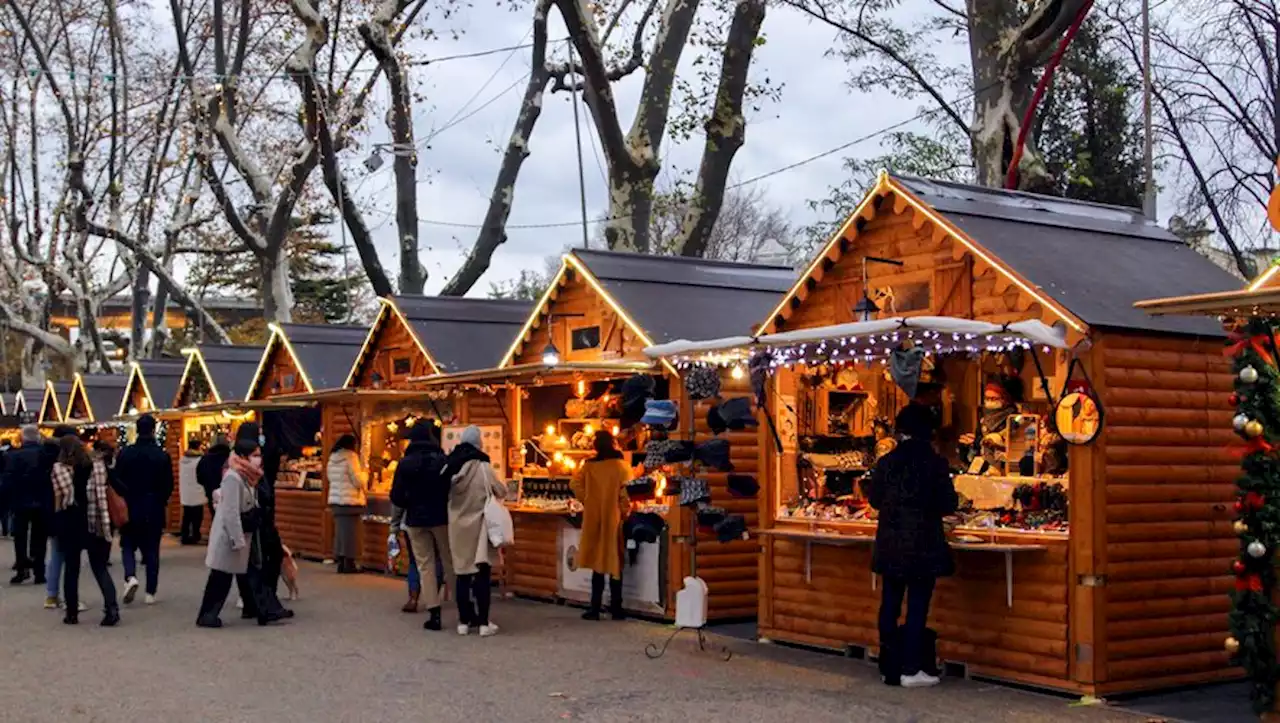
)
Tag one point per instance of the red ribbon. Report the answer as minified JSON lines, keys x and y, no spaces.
{"x":1257,"y":342}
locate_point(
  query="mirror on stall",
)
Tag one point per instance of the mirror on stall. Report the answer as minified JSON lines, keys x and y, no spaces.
{"x":1078,"y":417}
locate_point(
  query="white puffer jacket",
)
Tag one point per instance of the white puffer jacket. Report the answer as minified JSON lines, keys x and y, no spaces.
{"x":347,"y":479}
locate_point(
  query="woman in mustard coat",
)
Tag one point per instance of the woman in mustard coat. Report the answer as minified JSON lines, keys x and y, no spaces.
{"x":600,"y":484}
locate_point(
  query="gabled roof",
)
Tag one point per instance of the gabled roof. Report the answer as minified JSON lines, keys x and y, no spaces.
{"x":53,"y":401}
{"x":665,"y":298}
{"x":456,"y":334}
{"x":230,"y":368}
{"x":100,"y":393}
{"x":323,"y":353}
{"x":1084,"y":261}
{"x":27,"y":400}
{"x":159,"y":379}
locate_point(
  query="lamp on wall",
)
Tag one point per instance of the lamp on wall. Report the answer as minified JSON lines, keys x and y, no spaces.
{"x":550,"y":355}
{"x":866,"y":309}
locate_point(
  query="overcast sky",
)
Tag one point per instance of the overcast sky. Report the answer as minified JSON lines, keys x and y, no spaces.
{"x":815,"y":114}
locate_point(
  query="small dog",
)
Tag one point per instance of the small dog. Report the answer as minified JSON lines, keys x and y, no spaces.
{"x":289,"y":573}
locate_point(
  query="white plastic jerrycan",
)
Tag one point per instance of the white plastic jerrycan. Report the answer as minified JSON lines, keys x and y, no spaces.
{"x":691,"y":604}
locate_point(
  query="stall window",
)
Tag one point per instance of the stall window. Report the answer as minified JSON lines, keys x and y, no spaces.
{"x":400,"y":366}
{"x":913,"y":297}
{"x":587,"y":337}
{"x":286,"y":381}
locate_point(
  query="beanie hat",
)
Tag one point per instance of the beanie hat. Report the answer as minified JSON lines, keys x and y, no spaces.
{"x":702,"y":383}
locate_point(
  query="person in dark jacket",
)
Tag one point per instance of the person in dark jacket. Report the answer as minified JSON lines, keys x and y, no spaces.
{"x":911,"y":488}
{"x":209,"y":469}
{"x":272,"y":546}
{"x":144,"y":477}
{"x":26,"y":477}
{"x":421,"y":488}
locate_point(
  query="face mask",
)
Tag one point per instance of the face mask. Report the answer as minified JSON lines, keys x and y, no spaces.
{"x":262,"y":440}
{"x":256,"y":462}
{"x":992,"y":404}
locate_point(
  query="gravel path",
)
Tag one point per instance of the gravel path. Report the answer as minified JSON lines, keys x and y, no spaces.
{"x":350,"y":655}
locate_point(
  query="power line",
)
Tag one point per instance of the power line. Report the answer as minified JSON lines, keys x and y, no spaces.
{"x":749,"y":181}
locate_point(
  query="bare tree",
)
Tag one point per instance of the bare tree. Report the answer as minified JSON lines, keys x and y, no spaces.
{"x":1009,"y":43}
{"x":1217,"y":95}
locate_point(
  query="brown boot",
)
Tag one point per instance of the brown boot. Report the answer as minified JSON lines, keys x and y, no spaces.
{"x":412,"y":605}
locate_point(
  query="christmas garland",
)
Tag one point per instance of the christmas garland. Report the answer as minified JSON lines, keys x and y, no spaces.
{"x":1257,"y":506}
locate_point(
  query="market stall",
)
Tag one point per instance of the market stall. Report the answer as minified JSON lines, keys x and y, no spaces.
{"x":301,"y":359}
{"x":416,"y":336}
{"x":53,"y":400}
{"x":152,"y":387}
{"x":1250,"y":313}
{"x":1126,"y":595}
{"x":567,"y":372}
{"x":93,"y":402}
{"x":26,"y":404}
{"x":208,"y":402}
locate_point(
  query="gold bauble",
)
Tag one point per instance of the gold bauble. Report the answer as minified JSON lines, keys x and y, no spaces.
{"x":1239,"y":527}
{"x":1232,"y":645}
{"x":1253,"y":428}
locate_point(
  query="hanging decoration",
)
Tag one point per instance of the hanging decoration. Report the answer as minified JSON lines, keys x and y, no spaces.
{"x":1253,"y":615}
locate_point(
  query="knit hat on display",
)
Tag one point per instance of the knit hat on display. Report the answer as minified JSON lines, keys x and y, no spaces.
{"x":702,"y":383}
{"x":714,"y":453}
{"x":743,"y":485}
{"x":734,"y":414}
{"x":660,"y":413}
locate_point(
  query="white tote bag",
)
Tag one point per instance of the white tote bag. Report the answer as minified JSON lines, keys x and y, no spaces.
{"x":498,"y":523}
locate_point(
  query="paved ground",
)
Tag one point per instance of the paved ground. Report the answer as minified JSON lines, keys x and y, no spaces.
{"x":350,"y":655}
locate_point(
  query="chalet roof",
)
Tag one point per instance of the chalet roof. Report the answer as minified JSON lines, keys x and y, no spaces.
{"x":61,"y":397}
{"x":1093,"y":259}
{"x":231,"y":368}
{"x":30,"y":400}
{"x":677,"y":297}
{"x":463,"y":334}
{"x":162,"y":377}
{"x":325,"y":352}
{"x":102,"y":392}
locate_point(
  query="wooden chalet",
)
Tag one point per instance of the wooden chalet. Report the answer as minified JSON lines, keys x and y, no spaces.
{"x":600,"y":312}
{"x":152,"y":387}
{"x":301,"y":359}
{"x":1134,"y":595}
{"x":53,"y":401}
{"x":94,"y":401}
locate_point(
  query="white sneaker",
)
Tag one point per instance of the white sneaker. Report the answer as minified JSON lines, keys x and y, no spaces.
{"x":81,"y":607}
{"x":130,"y":590}
{"x":919,"y":680}
{"x":149,"y":599}
{"x":464,"y":629}
{"x":488,"y":631}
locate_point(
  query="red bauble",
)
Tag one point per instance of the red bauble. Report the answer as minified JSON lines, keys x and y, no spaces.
{"x":1254,"y":501}
{"x":1255,"y":583}
{"x":1238,"y":506}
{"x":1235,"y":399}
{"x":1238,"y":567}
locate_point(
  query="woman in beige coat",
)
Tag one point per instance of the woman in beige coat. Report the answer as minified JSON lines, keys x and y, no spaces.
{"x":473,"y":482}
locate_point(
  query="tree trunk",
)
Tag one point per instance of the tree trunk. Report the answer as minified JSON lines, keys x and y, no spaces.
{"x":277,"y":296}
{"x":140,"y":304}
{"x":631,"y":189}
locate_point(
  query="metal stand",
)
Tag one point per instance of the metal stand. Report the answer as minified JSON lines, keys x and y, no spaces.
{"x":655,"y":651}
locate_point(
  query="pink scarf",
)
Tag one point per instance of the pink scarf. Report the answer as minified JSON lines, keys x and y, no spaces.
{"x":244,"y":468}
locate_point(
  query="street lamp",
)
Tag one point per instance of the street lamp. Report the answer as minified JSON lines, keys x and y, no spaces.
{"x":551,"y":355}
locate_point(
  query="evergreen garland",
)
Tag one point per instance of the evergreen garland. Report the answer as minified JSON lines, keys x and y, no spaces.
{"x":1257,"y":506}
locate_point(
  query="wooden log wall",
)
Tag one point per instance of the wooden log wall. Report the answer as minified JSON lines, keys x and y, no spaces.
{"x":730,"y":569}
{"x":300,"y":519}
{"x":532,"y":564}
{"x":393,"y":354}
{"x":175,"y":433}
{"x":838,"y":607}
{"x":574,"y":304}
{"x":1166,"y":535}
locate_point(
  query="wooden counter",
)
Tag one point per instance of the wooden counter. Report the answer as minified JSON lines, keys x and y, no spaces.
{"x":1004,"y":612}
{"x":532,"y":564}
{"x":302,"y":518}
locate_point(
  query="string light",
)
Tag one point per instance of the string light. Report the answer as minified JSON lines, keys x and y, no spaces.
{"x":841,"y":352}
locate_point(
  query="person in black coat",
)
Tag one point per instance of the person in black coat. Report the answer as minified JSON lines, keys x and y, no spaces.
{"x":911,"y":488}
{"x":422,"y":490}
{"x":29,"y":487}
{"x":209,"y":469}
{"x":144,"y":477}
{"x":272,"y":546}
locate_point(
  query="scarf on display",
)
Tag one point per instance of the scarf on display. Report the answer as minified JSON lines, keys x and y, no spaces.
{"x":243,"y":467}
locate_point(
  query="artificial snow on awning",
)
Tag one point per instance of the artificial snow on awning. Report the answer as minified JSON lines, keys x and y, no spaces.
{"x":865,"y":341}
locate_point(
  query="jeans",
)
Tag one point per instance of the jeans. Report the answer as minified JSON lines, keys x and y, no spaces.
{"x":474,"y":594}
{"x":918,"y":592}
{"x":30,"y":536}
{"x":415,"y":578}
{"x":99,"y":551}
{"x":192,"y":519}
{"x":53,"y":571}
{"x":146,"y":541}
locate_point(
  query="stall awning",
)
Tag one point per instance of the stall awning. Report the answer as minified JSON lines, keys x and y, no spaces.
{"x":1264,"y":301}
{"x":866,"y":340}
{"x":333,"y":395}
{"x":518,"y":373}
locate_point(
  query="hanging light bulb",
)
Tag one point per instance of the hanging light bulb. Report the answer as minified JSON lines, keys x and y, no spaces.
{"x":550,"y":355}
{"x":737,"y":372}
